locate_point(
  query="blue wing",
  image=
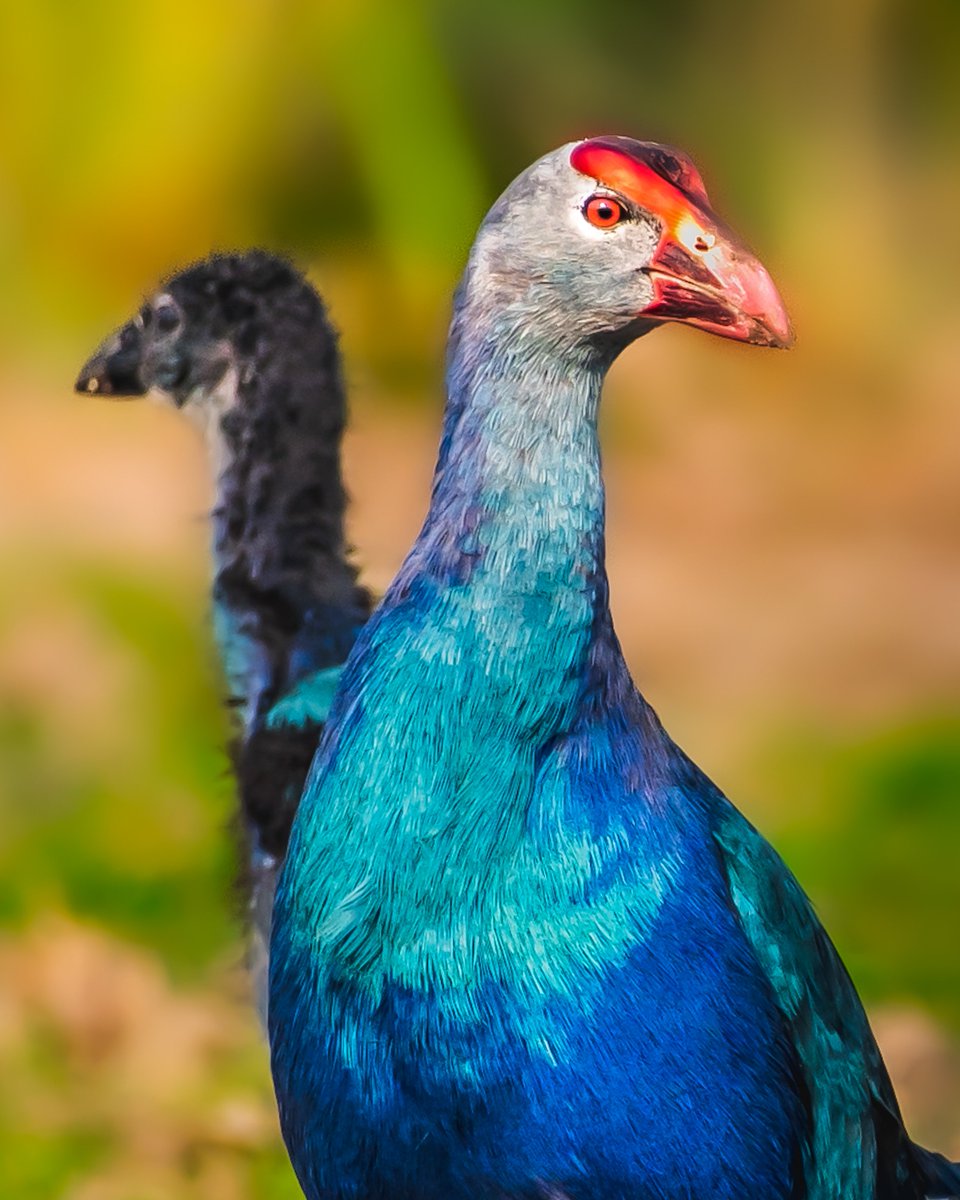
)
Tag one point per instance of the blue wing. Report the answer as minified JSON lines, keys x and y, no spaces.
{"x":858,"y":1148}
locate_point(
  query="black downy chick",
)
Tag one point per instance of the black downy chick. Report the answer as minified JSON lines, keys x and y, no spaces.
{"x":242,"y":345}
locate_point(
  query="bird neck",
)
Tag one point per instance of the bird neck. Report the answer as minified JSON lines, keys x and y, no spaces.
{"x":516,"y":521}
{"x":488,"y":670}
{"x":280,"y":501}
{"x":477,"y":734}
{"x":286,"y":598}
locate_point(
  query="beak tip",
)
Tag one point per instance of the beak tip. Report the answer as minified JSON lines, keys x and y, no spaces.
{"x":102,"y":377}
{"x":92,"y":385}
{"x":93,"y":377}
{"x":784,"y":337}
{"x":770,"y":312}
{"x":778,"y":338}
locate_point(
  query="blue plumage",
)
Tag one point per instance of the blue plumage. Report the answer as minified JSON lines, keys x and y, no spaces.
{"x":521,"y":946}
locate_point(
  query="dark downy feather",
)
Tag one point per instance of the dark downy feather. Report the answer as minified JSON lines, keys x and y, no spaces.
{"x":241,"y":344}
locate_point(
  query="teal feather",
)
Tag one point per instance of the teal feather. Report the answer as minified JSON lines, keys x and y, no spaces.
{"x":848,"y":1083}
{"x":307,"y":703}
{"x":522,"y":948}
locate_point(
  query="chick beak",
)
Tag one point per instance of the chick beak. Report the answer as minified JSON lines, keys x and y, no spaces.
{"x":703,"y":276}
{"x":114,"y":370}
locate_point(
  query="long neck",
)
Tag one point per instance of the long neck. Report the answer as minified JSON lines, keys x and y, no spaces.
{"x":476,"y":684}
{"x":286,"y":597}
{"x":486,"y":679}
{"x":514,"y":535}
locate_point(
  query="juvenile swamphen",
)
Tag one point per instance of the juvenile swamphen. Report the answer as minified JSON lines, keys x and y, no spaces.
{"x":522,"y":946}
{"x":242,"y":345}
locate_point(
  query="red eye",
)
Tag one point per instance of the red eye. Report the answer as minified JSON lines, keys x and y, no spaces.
{"x":603,"y":212}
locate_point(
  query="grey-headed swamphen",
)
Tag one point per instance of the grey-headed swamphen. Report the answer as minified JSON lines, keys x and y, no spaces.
{"x":522,"y":946}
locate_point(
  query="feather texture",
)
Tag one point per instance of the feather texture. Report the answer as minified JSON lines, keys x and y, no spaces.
{"x":522,"y":947}
{"x":241,"y":344}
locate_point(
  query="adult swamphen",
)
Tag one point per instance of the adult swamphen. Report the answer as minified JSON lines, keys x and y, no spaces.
{"x":242,"y":345}
{"x":522,"y":946}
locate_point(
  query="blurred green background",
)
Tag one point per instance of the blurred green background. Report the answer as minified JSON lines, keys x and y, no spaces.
{"x":784,"y":529}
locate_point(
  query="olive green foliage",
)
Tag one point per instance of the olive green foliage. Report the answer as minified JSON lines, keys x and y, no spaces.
{"x":874,"y":829}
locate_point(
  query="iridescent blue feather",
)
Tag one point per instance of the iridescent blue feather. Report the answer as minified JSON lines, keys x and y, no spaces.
{"x":522,"y":947}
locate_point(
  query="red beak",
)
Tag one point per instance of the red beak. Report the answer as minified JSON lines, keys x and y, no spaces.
{"x":723,"y":288}
{"x":702,"y":275}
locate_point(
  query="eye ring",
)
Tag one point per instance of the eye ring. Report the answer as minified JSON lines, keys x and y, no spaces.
{"x":166,"y":313}
{"x":603,"y":212}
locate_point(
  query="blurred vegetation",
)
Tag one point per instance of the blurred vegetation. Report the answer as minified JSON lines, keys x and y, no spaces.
{"x":877,"y":846}
{"x":784,"y":529}
{"x":124,"y":842}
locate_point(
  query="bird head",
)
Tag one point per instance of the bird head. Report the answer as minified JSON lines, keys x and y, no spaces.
{"x":605,"y":238}
{"x":198,"y":324}
{"x":169,"y":345}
